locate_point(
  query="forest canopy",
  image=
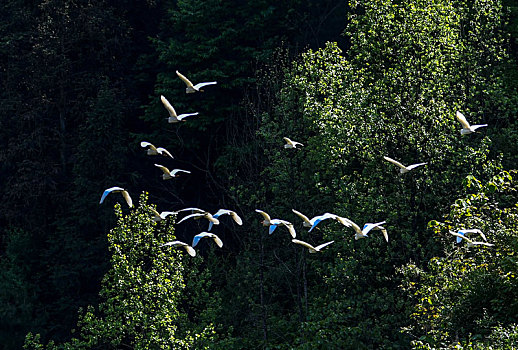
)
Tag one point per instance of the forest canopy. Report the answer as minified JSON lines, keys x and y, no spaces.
{"x":346,"y":179}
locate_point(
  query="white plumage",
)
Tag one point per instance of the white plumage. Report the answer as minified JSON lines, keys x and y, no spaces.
{"x":311,"y":248}
{"x":173,"y":117}
{"x":125,"y":194}
{"x":466,"y":128}
{"x":193,"y":88}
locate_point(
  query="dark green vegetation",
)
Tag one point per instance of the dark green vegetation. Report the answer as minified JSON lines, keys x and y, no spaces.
{"x":353,"y":82}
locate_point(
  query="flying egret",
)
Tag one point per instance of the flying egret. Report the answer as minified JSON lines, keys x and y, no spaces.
{"x":125,"y":194}
{"x":153,"y":151}
{"x":471,"y":243}
{"x":463,"y":232}
{"x":267,"y":218}
{"x":157,"y":217}
{"x":187,"y":247}
{"x":193,"y":88}
{"x":317,"y":219}
{"x":199,"y":236}
{"x":403,"y":169}
{"x":273,"y":223}
{"x":466,"y":128}
{"x":291,"y":144}
{"x":362,"y":233}
{"x":173,"y":117}
{"x":232,"y":213}
{"x":278,"y":222}
{"x":167,"y":174}
{"x":310,"y":247}
{"x":193,"y":210}
{"x":205,"y":215}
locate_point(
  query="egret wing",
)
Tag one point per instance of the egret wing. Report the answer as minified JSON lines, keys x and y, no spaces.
{"x":200,"y":85}
{"x":185,"y":80}
{"x":168,"y":106}
{"x":462,"y":119}
{"x":395,"y":162}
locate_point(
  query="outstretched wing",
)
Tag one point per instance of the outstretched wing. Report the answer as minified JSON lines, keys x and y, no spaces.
{"x":462,"y":119}
{"x":127,"y":197}
{"x":395,"y":162}
{"x":302,"y":216}
{"x":185,"y":115}
{"x":200,"y":85}
{"x":173,"y":173}
{"x":163,"y":168}
{"x":168,"y":106}
{"x":264,"y":214}
{"x":413,"y":166}
{"x":195,"y":215}
{"x":475,"y":127}
{"x":369,"y":226}
{"x":163,"y":151}
{"x":302,"y":243}
{"x":146,"y":144}
{"x":108,"y":191}
{"x":185,"y":80}
{"x":318,"y":248}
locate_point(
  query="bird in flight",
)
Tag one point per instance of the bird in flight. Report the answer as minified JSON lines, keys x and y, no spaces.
{"x":466,"y":128}
{"x":403,"y":169}
{"x":232,"y":213}
{"x":157,"y":217}
{"x":278,"y":222}
{"x":362,"y":233}
{"x":187,"y":247}
{"x":205,"y":215}
{"x":471,"y":243}
{"x":193,"y":88}
{"x":199,"y":236}
{"x":310,"y":247}
{"x":167,"y":174}
{"x":153,"y":151}
{"x":125,"y":194}
{"x":173,"y":117}
{"x":291,"y":144}
{"x":267,"y":218}
{"x":317,"y":219}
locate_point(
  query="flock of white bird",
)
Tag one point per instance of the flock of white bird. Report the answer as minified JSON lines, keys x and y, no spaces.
{"x":272,"y":224}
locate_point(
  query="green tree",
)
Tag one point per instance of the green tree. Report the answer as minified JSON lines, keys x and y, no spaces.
{"x":467,"y":295}
{"x":410,"y":67}
{"x":140,"y":293}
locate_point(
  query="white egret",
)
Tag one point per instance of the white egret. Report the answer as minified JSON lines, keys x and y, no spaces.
{"x":199,"y":236}
{"x":125,"y":194}
{"x":187,"y":247}
{"x":466,"y":128}
{"x":173,"y":117}
{"x":193,"y":210}
{"x":273,"y":223}
{"x":153,"y":151}
{"x":205,"y":215}
{"x":267,"y":218}
{"x":312,"y":223}
{"x":169,"y":174}
{"x":463,"y":232}
{"x":471,"y":243}
{"x":403,"y":169}
{"x":157,"y":217}
{"x":193,"y":88}
{"x":278,"y":222}
{"x":362,"y":233}
{"x":310,"y":247}
{"x":232,"y":213}
{"x":291,"y":144}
